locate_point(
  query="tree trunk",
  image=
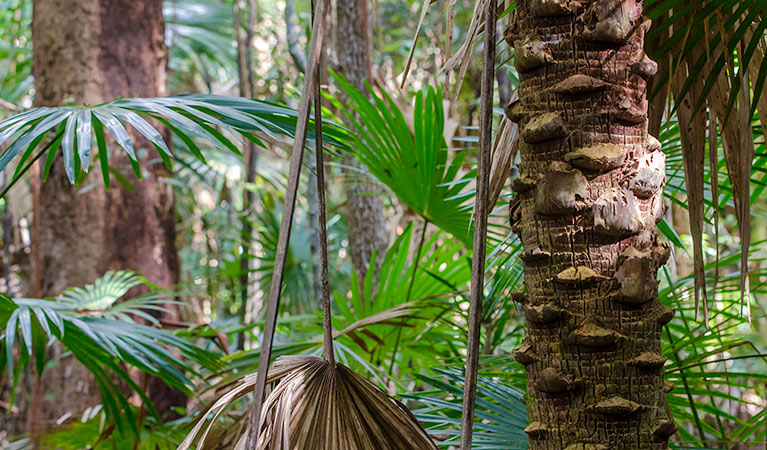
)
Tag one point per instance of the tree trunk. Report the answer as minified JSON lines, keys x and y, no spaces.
{"x":366,"y":221}
{"x":590,"y":188}
{"x":91,"y":51}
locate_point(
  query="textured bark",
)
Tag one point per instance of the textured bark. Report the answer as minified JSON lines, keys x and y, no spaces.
{"x":366,"y":221}
{"x":91,"y":51}
{"x":590,"y":191}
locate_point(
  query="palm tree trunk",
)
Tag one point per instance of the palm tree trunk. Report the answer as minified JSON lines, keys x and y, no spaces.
{"x":91,"y":51}
{"x":366,"y":221}
{"x":590,"y":191}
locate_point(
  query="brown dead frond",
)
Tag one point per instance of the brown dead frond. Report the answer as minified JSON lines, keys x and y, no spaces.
{"x":315,"y":405}
{"x":505,"y":148}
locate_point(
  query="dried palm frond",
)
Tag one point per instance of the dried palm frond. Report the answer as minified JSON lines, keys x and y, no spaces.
{"x":317,"y":405}
{"x":463,"y":54}
{"x":692,"y":128}
{"x":505,"y":148}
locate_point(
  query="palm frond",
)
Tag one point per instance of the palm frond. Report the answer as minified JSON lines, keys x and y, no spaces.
{"x":432,"y":282}
{"x":711,"y":367}
{"x":102,"y":293}
{"x":101,"y":339}
{"x":714,"y":50}
{"x":501,"y":416}
{"x":315,"y":405}
{"x":368,"y":320}
{"x":200,"y":36}
{"x":15,"y":57}
{"x":192,"y":118}
{"x":415,"y":165}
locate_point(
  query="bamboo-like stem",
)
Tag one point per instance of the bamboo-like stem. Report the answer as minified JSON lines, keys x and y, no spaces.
{"x":480,"y":226}
{"x":302,"y":124}
{"x":327,"y":325}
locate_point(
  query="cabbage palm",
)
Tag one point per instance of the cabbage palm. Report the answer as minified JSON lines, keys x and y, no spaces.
{"x":590,"y":194}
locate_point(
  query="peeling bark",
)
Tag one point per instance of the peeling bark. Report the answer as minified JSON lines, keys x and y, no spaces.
{"x":590,"y":192}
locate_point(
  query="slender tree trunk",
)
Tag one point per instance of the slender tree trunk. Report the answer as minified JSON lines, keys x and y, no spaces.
{"x":590,"y":188}
{"x":247,"y":81}
{"x":366,"y":221}
{"x":91,"y":51}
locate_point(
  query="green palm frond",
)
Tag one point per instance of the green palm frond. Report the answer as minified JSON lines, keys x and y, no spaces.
{"x":702,"y":358}
{"x":415,"y":165}
{"x":200,"y":36}
{"x":427,"y":290}
{"x":102,"y":293}
{"x":192,"y":118}
{"x":501,"y":417}
{"x":15,"y":57}
{"x":368,"y":320}
{"x":101,"y":339}
{"x":498,"y":305}
{"x":298,"y":292}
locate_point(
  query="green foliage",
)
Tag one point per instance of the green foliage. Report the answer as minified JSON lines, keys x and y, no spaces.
{"x":92,"y":433}
{"x":199,"y":35}
{"x":703,"y":360}
{"x":299,"y":295}
{"x":190,"y":117}
{"x":675,"y":187}
{"x":421,"y":292}
{"x":15,"y":57}
{"x":401,"y":328}
{"x":500,"y":417}
{"x":415,"y":165}
{"x":735,"y":28}
{"x":102,"y":336}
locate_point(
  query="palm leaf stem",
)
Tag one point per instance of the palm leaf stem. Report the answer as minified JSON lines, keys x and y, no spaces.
{"x":481,"y":212}
{"x":327,"y":325}
{"x":302,"y":124}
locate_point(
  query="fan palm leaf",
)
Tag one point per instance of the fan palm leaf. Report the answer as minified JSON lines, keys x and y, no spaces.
{"x":415,"y":165}
{"x":200,"y":34}
{"x":316,"y":405}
